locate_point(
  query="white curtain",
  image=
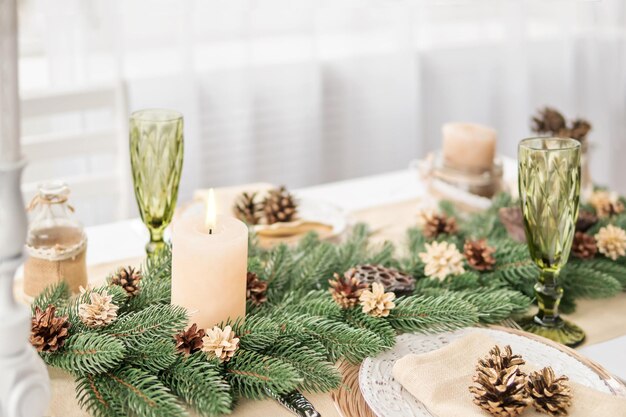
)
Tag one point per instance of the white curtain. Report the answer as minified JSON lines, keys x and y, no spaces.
{"x":303,"y":91}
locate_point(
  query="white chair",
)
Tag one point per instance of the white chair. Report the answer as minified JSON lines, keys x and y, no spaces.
{"x":80,"y":137}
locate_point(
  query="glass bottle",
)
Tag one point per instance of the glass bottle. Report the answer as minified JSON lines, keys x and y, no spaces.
{"x":56,"y":242}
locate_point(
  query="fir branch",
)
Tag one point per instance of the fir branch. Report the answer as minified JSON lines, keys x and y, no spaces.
{"x":155,"y":321}
{"x":154,"y":356}
{"x":87,"y":353}
{"x":315,"y":303}
{"x":145,"y":395}
{"x":356,"y":318}
{"x":432,"y":314}
{"x":257,"y":333}
{"x":276,"y":273}
{"x":495,"y":305}
{"x":318,"y":375}
{"x":315,"y":267}
{"x":354,"y":250}
{"x":250,"y":374}
{"x":382,"y":255}
{"x":56,"y":294}
{"x":609,"y":267}
{"x":581,"y":282}
{"x":99,"y":396}
{"x":199,"y":383}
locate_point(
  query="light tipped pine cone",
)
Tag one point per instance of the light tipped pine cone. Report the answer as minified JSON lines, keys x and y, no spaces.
{"x":128,"y":278}
{"x":346,"y":289}
{"x":479,"y":255}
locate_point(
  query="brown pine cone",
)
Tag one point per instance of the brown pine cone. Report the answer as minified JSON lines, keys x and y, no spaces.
{"x":584,"y":246}
{"x":189,"y":341}
{"x":438,"y":224}
{"x":346,"y":290}
{"x":548,"y":120}
{"x":500,"y":384}
{"x":579,"y":130}
{"x":280,"y":206}
{"x":550,"y":395}
{"x":48,"y":332}
{"x":479,"y":254}
{"x":586,"y":219}
{"x":128,"y":278}
{"x":256,"y":289}
{"x":247,"y":209}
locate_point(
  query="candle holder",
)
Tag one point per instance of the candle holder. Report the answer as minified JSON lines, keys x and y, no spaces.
{"x":156,"y":156}
{"x":24,"y":385}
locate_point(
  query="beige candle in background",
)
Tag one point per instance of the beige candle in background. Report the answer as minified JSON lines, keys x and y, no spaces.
{"x":469,"y":146}
{"x":209,"y":266}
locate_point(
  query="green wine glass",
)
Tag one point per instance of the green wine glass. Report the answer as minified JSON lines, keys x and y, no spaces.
{"x":549,"y":188}
{"x":156,"y":156}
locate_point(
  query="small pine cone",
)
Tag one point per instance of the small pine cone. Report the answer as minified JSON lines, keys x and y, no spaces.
{"x":579,"y":130}
{"x":479,"y":255}
{"x":346,"y":289}
{"x":247,"y":209}
{"x":586,"y":219}
{"x":256,"y":289}
{"x":584,"y":246}
{"x":606,"y":203}
{"x":438,"y":224}
{"x":129,"y":279}
{"x":392,"y":280}
{"x":376,"y":302}
{"x":279,"y":206}
{"x":189,"y":341}
{"x":548,"y":120}
{"x":611,"y":242}
{"x":550,"y":395}
{"x":500,"y":384}
{"x":99,"y":312}
{"x":48,"y":332}
{"x":221,"y":344}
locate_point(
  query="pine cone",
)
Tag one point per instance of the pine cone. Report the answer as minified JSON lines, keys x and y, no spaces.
{"x":346,"y":289}
{"x":100,"y":311}
{"x":548,"y":120}
{"x":376,"y":302}
{"x":256,"y":289}
{"x":584,"y":246}
{"x":221,"y":344}
{"x":247,"y":209}
{"x":606,"y":203}
{"x":550,"y":395}
{"x":189,"y":341}
{"x":586,"y":219}
{"x":579,"y":130}
{"x":279,"y":206}
{"x":441,"y":259}
{"x":479,"y":255}
{"x":611,"y":242}
{"x":48,"y":332}
{"x":437,"y":224}
{"x":500,"y":384}
{"x":128,"y":278}
{"x":513,"y":221}
{"x":392,"y":280}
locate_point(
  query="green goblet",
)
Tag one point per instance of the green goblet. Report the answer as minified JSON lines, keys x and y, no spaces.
{"x":549,"y":188}
{"x":156,"y":156}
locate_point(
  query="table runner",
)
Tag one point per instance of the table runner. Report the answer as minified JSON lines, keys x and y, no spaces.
{"x":601,"y":319}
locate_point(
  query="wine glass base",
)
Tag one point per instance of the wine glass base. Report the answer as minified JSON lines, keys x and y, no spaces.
{"x":563,"y":331}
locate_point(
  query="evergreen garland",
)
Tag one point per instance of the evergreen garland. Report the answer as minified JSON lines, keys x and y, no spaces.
{"x":292,"y":341}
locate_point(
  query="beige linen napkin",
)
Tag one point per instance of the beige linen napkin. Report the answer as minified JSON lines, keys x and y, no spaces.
{"x":440,"y":380}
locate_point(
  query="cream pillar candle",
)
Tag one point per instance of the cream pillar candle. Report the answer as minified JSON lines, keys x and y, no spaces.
{"x":469,"y":146}
{"x":209,"y":267}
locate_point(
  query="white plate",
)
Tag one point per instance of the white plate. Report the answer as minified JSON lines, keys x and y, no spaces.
{"x":308,"y":209}
{"x":387,"y":398}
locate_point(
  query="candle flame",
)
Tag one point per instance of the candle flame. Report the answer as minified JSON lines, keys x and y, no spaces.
{"x":210,"y":221}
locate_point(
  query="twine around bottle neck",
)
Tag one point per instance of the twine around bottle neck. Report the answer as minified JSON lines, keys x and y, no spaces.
{"x":47,"y":200}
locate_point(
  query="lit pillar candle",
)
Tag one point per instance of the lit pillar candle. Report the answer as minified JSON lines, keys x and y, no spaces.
{"x":469,"y":146}
{"x":209,"y":266}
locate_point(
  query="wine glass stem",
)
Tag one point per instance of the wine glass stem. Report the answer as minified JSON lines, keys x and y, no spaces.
{"x":156,"y":243}
{"x":549,"y":294}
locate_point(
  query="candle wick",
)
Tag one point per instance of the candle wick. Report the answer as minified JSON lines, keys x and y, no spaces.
{"x":210,"y":231}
